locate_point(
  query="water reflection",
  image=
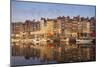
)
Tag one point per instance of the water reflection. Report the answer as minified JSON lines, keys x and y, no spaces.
{"x":56,"y":52}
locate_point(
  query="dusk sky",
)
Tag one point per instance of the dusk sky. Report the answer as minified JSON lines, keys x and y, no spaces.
{"x":22,"y":11}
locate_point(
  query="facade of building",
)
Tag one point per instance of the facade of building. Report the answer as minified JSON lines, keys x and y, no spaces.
{"x":63,"y":27}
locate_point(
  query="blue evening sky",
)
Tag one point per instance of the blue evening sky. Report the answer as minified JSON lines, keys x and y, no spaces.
{"x":22,"y":11}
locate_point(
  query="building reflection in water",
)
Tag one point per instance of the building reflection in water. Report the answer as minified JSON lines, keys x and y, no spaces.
{"x":61,"y":52}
